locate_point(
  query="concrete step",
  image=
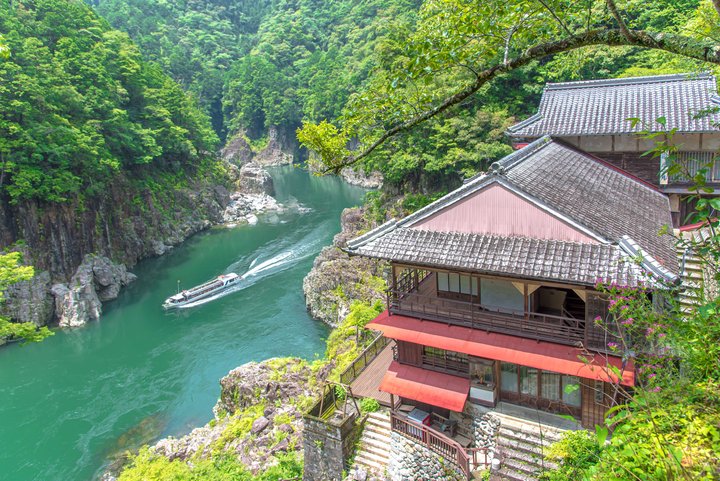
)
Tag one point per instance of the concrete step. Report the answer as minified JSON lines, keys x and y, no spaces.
{"x":533,"y":437}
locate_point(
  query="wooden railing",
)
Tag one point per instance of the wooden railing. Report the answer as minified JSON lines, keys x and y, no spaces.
{"x":532,"y":325}
{"x":464,"y":460}
{"x":364,"y":359}
{"x":411,"y":279}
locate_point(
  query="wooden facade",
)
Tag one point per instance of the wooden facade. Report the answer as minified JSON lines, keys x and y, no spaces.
{"x":422,"y":295}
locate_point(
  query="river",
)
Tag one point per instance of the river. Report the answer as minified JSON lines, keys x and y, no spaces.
{"x":73,"y":401}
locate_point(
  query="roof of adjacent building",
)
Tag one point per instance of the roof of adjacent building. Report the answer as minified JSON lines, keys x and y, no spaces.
{"x":604,"y":107}
{"x":624,"y":215}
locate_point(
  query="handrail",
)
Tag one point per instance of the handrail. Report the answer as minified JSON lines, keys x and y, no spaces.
{"x":534,"y":325}
{"x":464,"y":460}
{"x":364,"y":359}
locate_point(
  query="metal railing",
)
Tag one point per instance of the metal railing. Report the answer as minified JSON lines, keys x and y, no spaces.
{"x":532,"y":325}
{"x":465,"y":460}
{"x":364,"y":359}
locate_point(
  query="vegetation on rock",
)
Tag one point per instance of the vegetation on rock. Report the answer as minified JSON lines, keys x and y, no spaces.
{"x":11,"y":272}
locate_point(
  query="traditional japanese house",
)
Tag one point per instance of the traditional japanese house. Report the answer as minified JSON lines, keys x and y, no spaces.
{"x":493,"y":293}
{"x":598,"y":117}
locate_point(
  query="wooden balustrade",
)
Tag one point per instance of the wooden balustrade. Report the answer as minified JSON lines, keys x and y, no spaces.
{"x":465,"y":460}
{"x":533,"y":325}
{"x":364,"y":359}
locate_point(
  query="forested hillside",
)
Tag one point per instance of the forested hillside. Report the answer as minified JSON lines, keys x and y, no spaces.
{"x":91,"y":135}
{"x":256,"y":64}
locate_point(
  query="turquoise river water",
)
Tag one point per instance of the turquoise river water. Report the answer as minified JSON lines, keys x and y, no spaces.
{"x":72,"y":402}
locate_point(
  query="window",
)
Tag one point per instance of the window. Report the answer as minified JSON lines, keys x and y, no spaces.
{"x":458,"y":283}
{"x":508,"y":377}
{"x":571,"y":391}
{"x":528,"y":381}
{"x":482,"y":371}
{"x":550,"y":388}
{"x":442,"y":278}
{"x":445,"y":360}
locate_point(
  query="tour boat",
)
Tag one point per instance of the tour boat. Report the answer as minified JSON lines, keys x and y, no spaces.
{"x":220,"y":283}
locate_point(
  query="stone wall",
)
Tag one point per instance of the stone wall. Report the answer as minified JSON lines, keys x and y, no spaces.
{"x":411,"y":461}
{"x":327,"y":445}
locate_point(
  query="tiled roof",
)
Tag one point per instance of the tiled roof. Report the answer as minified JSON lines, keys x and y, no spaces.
{"x":603,"y":107}
{"x":519,"y":257}
{"x":625,"y":216}
{"x":596,"y":195}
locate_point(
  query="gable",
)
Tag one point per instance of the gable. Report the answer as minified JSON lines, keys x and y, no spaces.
{"x":497,"y":210}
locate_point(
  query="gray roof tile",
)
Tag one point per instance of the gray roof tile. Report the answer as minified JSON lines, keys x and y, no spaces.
{"x":520,"y":257}
{"x":615,"y":208}
{"x":602,"y":107}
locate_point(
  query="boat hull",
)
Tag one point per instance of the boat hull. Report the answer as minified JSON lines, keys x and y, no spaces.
{"x":190,"y":296}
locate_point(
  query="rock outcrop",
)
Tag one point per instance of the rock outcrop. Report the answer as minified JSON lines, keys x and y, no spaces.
{"x":245,"y":208}
{"x":253,"y":179}
{"x":277,"y":151}
{"x":97,"y":279}
{"x":337,"y":280}
{"x":30,"y":301}
{"x":372,"y":180}
{"x":265,"y":397}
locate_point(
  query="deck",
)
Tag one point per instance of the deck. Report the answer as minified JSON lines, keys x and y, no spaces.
{"x":367,"y":382}
{"x":422,"y":302}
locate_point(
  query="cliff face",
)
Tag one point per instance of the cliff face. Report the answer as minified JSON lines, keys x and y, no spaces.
{"x":336,"y":280}
{"x":277,"y":151}
{"x":81,"y":249}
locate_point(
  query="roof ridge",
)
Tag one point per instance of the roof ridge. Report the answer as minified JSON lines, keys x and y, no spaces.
{"x":513,"y":159}
{"x":648,"y":79}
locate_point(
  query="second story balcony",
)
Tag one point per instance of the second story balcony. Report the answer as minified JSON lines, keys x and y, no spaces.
{"x":526,"y":310}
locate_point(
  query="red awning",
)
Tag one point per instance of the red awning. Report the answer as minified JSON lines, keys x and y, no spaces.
{"x":430,"y":387}
{"x":502,"y":347}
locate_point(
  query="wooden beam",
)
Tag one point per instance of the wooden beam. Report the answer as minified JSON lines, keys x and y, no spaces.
{"x":582,"y":294}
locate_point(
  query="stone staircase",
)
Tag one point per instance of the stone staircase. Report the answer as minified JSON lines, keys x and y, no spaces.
{"x":521,"y":445}
{"x":373,"y":451}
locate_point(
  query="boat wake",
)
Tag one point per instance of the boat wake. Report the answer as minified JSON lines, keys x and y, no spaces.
{"x":269,"y":260}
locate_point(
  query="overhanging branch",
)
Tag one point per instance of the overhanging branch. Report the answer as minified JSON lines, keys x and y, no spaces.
{"x":671,"y":43}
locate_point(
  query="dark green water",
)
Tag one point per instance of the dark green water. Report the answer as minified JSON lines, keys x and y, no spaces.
{"x":69,"y":403}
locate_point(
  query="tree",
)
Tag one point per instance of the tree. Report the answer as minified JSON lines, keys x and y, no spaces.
{"x":11,"y":272}
{"x":459,"y":46}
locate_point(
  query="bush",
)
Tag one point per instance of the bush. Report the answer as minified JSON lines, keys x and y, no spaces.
{"x":369,"y":405}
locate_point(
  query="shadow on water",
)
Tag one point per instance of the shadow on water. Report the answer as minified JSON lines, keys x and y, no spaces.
{"x":149,"y":429}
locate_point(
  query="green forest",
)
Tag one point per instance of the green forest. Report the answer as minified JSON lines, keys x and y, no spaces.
{"x":79,"y":106}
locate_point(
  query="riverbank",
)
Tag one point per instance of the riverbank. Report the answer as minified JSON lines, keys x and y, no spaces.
{"x":258,"y":418}
{"x":141,"y":374}
{"x":98,"y":279}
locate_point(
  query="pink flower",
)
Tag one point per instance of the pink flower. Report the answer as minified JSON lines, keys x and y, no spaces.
{"x":613,"y":345}
{"x":628,"y":321}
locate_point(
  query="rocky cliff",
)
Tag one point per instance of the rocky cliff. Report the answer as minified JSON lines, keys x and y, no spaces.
{"x":259,"y":415}
{"x":82,"y":249}
{"x":278,"y":150}
{"x":336,"y":279}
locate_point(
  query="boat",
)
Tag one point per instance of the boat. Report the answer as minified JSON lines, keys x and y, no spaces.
{"x":207,"y":289}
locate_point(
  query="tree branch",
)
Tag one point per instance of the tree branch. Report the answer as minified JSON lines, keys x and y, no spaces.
{"x":557,"y":19}
{"x":671,"y":43}
{"x":621,"y":23}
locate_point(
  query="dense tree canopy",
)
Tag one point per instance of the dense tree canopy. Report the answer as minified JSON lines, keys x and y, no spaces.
{"x":78,"y":105}
{"x":458,"y":47}
{"x":254,"y":64}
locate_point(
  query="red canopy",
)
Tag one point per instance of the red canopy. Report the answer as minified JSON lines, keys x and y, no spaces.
{"x":525,"y":352}
{"x":442,"y":390}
